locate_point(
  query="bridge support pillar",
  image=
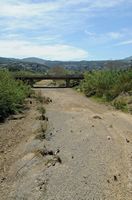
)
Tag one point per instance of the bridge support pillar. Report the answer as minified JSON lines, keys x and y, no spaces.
{"x":67,"y":83}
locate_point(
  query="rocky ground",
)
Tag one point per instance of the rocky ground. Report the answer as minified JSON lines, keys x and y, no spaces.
{"x":85,"y":153}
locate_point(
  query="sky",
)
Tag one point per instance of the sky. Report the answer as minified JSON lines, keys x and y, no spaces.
{"x":66,"y":29}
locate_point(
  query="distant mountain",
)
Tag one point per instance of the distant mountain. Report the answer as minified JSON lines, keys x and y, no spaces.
{"x":41,"y":65}
{"x":7,"y":60}
{"x":20,"y":64}
{"x":34,"y":60}
{"x":129,"y":58}
{"x":81,"y":65}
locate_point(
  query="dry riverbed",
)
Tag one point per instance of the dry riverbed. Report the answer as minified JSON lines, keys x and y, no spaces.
{"x":85,"y":153}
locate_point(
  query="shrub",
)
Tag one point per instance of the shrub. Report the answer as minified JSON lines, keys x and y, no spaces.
{"x":99,"y":83}
{"x":12,"y":94}
{"x":108,"y":84}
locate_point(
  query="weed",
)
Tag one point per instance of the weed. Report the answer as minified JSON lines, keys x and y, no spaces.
{"x":39,"y":97}
{"x":41,"y":110}
{"x":42,"y":130}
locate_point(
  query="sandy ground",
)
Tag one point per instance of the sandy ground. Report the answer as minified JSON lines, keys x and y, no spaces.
{"x":91,"y":145}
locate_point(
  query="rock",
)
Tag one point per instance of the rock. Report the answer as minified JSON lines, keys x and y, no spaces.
{"x":46,"y":118}
{"x":2,"y":179}
{"x":115,"y":178}
{"x":58,"y":159}
{"x":53,"y":164}
{"x":127,"y":140}
{"x":57,"y":151}
{"x":97,"y":117}
{"x":46,"y":152}
{"x":49,"y":165}
{"x":50,"y":152}
{"x":108,"y":181}
{"x":108,"y":138}
{"x":17,"y":117}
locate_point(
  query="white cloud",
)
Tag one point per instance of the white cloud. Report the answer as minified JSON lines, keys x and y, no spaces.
{"x":16,"y":48}
{"x":52,"y":14}
{"x":106,"y":3}
{"x":17,"y":8}
{"x":42,"y":22}
{"x":22,"y":9}
{"x":105,"y":37}
{"x":115,"y":35}
{"x":127,"y":42}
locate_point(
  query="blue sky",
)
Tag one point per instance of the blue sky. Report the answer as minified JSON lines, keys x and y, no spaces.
{"x":66,"y":29}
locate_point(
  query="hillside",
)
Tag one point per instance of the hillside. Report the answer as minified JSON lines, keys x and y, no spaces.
{"x":82,"y":65}
{"x":34,"y":60}
{"x":41,"y":65}
{"x":18,"y":64}
{"x":129,"y":58}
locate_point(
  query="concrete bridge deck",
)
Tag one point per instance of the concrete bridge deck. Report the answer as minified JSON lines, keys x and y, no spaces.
{"x":31,"y":78}
{"x":50,"y":77}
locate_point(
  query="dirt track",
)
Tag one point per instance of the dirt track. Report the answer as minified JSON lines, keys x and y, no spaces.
{"x":95,"y":144}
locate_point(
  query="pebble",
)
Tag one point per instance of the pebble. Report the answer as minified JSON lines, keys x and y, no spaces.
{"x":108,"y":138}
{"x":97,"y":117}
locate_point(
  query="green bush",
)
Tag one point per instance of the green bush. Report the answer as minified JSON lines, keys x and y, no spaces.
{"x":99,"y":83}
{"x":12,"y":94}
{"x":107,"y":84}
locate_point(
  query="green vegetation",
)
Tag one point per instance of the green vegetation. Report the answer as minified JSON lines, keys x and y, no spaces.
{"x":12,"y":94}
{"x":42,"y":110}
{"x":109,"y":85}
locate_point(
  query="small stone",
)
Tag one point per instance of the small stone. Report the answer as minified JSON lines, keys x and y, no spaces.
{"x":108,"y":181}
{"x":50,"y":152}
{"x":58,"y":159}
{"x":49,"y":165}
{"x":17,"y":117}
{"x":53,"y":164}
{"x":127,"y":140}
{"x":57,"y":151}
{"x":108,"y":138}
{"x":115,"y":178}
{"x":2,"y":179}
{"x":97,"y":117}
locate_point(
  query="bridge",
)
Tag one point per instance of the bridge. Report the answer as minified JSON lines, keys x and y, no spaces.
{"x":33,"y":78}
